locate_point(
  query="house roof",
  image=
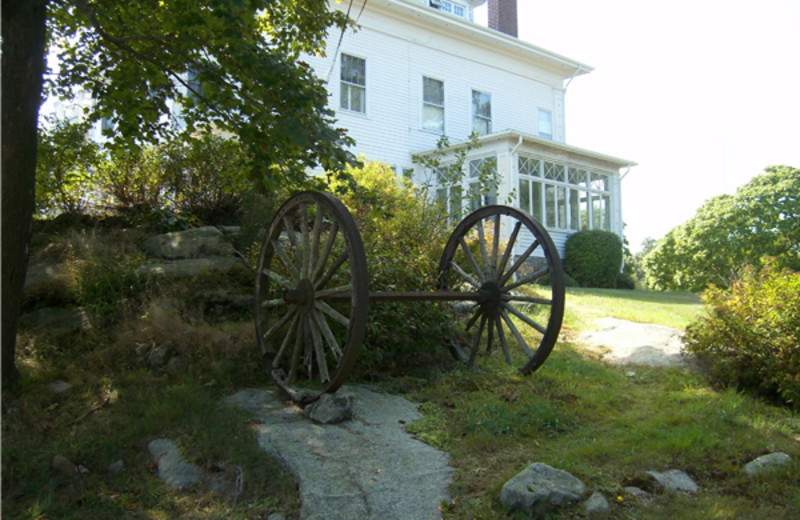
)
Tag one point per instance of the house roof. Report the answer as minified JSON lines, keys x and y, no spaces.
{"x":474,"y":33}
{"x":515,"y":138}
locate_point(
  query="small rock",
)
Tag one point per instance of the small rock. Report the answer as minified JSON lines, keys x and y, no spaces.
{"x":597,"y":504}
{"x":674,"y":480}
{"x":540,"y":487}
{"x":59,"y":386}
{"x":82,"y":470}
{"x":116,"y":467}
{"x":331,"y":408}
{"x":767,"y":463}
{"x":64,"y":466}
{"x":176,"y":365}
{"x":276,"y":516}
{"x":172,"y":467}
{"x":636,"y":492}
{"x":158,"y":356}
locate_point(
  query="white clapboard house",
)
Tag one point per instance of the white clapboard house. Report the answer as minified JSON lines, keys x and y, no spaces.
{"x":415,"y":70}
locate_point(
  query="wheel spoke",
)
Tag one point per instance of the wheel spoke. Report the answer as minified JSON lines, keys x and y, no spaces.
{"x":516,"y":334}
{"x":496,"y":242}
{"x":315,"y":238}
{"x":322,"y":323}
{"x":476,"y":343}
{"x":527,"y":299}
{"x":319,"y":350}
{"x":303,"y":213}
{"x":280,"y":323}
{"x":523,"y":317}
{"x":334,"y":291}
{"x":281,"y":252}
{"x":326,"y":250}
{"x":489,"y":333}
{"x":463,"y":274}
{"x":521,"y":260}
{"x":333,"y":313}
{"x":484,"y":254}
{"x":528,"y":279}
{"x":278,"y":278}
{"x":298,"y":346}
{"x":332,"y":271}
{"x":286,"y":340}
{"x":277,"y":302}
{"x":512,"y":240}
{"x":471,"y":259}
{"x":502,"y":336}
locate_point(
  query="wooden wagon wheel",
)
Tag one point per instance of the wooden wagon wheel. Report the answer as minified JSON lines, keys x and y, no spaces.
{"x":503,"y":254}
{"x":312,"y":295}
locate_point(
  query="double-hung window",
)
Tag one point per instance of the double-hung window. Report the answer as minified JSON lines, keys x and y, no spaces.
{"x":432,"y":104}
{"x":481,"y":112}
{"x":353,"y":94}
{"x":545,"y":124}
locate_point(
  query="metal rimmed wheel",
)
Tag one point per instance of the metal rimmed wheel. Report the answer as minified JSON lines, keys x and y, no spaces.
{"x":504,"y":255}
{"x":312,"y":295}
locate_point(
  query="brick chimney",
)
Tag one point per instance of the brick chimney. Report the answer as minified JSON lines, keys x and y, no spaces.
{"x":503,"y":16}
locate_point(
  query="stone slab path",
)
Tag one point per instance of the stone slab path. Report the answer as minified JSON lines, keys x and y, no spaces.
{"x":624,"y":342}
{"x":362,"y":469}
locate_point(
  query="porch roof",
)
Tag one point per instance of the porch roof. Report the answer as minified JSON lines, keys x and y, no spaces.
{"x":515,"y":138}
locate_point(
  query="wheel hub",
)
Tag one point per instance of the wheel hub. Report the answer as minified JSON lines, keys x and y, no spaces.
{"x":489,"y":295}
{"x":302,"y":296}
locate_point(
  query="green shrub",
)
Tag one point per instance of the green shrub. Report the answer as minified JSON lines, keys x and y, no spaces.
{"x":751,"y":335}
{"x":625,"y":281}
{"x":205,"y":178}
{"x":404,"y":236}
{"x":133,"y":181}
{"x":65,"y":169}
{"x":594,"y":258}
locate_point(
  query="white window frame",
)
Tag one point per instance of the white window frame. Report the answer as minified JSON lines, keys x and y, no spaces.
{"x":564,"y":197}
{"x":545,"y":123}
{"x":448,"y":6}
{"x":348,"y":87}
{"x":477,"y":117}
{"x":430,"y":104}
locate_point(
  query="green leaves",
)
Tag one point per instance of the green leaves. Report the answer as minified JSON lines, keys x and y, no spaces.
{"x":166,"y":67}
{"x":731,"y":231}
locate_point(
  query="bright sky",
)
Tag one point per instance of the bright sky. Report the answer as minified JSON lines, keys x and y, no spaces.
{"x":702,"y":94}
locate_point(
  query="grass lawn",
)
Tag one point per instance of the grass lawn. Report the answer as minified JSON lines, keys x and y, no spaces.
{"x":610,"y":425}
{"x":672,"y":309}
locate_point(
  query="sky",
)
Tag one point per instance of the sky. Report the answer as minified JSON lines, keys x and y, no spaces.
{"x":701,"y":94}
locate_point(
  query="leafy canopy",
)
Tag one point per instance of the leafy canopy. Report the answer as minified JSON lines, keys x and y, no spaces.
{"x":233,"y":67}
{"x":730,"y":232}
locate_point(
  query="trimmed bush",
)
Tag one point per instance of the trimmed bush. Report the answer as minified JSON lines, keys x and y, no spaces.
{"x":594,"y":258}
{"x":751,"y":335}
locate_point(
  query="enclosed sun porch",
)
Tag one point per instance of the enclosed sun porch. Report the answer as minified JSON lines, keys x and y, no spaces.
{"x":567,"y":189}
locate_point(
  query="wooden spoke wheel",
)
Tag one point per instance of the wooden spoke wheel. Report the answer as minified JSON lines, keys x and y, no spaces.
{"x":312,"y":295}
{"x":509,"y":260}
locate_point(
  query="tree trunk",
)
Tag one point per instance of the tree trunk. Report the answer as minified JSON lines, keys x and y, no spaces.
{"x":22,"y":73}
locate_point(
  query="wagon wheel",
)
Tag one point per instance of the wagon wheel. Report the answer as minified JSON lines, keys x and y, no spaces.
{"x":504,"y":256}
{"x":312,"y":295}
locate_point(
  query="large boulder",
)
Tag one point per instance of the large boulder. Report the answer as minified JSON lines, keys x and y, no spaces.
{"x":539,"y":488}
{"x":193,"y":243}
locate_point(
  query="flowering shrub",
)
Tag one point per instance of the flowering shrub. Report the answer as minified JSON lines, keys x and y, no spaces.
{"x":751,"y":336}
{"x":404,"y":236}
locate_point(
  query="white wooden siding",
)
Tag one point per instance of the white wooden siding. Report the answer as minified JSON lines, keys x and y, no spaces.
{"x":399,"y":54}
